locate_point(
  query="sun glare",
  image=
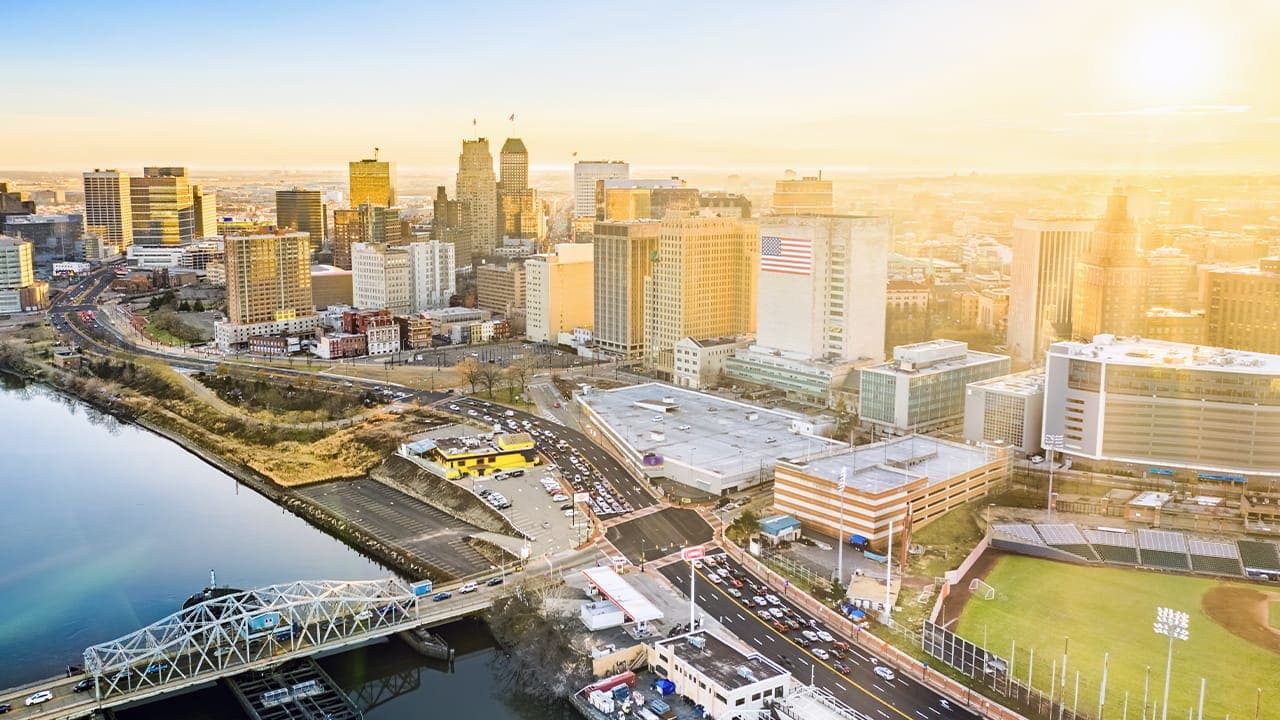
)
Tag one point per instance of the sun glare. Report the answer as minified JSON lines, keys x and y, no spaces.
{"x":1171,"y":60}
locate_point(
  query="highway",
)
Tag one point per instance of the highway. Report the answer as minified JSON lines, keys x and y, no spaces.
{"x":902,"y":698}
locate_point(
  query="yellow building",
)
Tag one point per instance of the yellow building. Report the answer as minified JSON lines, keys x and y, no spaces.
{"x":455,"y":457}
{"x":373,"y":182}
{"x":268,"y":277}
{"x":559,"y":292}
{"x":500,"y":288}
{"x":702,"y":284}
{"x":162,"y":207}
{"x":1110,"y":292}
{"x":804,"y":196}
{"x":623,"y":255}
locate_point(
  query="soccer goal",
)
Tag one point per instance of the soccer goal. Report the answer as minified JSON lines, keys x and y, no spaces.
{"x":981,"y":589}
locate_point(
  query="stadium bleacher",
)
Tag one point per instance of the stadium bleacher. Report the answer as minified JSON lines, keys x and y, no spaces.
{"x":1214,"y":557}
{"x":1023,"y":532}
{"x":1113,"y":547}
{"x":1068,"y":538}
{"x":1259,"y":557}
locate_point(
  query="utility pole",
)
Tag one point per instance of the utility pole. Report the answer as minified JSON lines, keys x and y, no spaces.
{"x":844,"y":478}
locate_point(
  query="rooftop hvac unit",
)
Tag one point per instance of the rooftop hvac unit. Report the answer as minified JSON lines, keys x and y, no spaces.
{"x":698,"y":641}
{"x":745,"y":672}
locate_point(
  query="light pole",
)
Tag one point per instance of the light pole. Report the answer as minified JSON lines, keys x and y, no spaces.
{"x":844,"y":477}
{"x":1051,"y":443}
{"x":1173,"y":625}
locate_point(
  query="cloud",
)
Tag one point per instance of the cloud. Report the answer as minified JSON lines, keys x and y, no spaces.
{"x":1171,"y":110}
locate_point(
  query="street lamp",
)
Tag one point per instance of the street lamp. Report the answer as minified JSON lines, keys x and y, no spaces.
{"x":1051,"y":443}
{"x":844,"y":479}
{"x":1173,"y":625}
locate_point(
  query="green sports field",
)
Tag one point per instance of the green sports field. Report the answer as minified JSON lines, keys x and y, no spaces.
{"x":1041,"y":603}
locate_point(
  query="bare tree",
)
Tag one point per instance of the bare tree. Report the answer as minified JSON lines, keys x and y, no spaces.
{"x":520,"y":371}
{"x":488,"y":376}
{"x":469,"y":369}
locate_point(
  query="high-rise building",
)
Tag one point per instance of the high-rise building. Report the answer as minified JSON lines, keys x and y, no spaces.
{"x":638,"y":199}
{"x":623,"y":254}
{"x":822,"y":286}
{"x":268,"y":277}
{"x":477,"y":189}
{"x":1110,"y":291}
{"x":1243,"y":307}
{"x":585,"y":175}
{"x":205,"y":206}
{"x":558,"y":292}
{"x":803,"y":196}
{"x":513,"y":166}
{"x":500,"y":288}
{"x":1171,"y":279}
{"x":19,"y":289}
{"x":1006,"y":411}
{"x":380,"y":278}
{"x":373,"y":182}
{"x":1043,"y":274}
{"x":14,"y":203}
{"x":163,"y":206}
{"x":303,"y":210}
{"x":1201,"y":414}
{"x":702,"y":284}
{"x":108,"y":208}
{"x":446,"y":224}
{"x":367,"y":224}
{"x":432,"y":279}
{"x":519,"y":210}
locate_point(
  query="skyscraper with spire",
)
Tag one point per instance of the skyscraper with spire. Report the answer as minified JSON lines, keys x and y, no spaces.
{"x":520,"y":211}
{"x":1110,"y":289}
{"x":477,"y":188}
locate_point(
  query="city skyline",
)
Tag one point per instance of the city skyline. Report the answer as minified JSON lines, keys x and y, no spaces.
{"x":924,"y":86}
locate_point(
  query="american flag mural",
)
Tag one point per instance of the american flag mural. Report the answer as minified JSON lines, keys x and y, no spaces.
{"x":791,"y":256}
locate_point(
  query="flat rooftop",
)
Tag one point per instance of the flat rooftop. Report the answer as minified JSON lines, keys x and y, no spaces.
{"x":1030,"y":382}
{"x":720,"y":439}
{"x":1160,"y":353}
{"x":890,"y":464}
{"x":720,"y":662}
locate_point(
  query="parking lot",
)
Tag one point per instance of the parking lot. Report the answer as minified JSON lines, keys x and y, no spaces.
{"x":533,"y":511}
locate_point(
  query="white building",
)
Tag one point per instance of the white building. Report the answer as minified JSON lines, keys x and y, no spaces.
{"x":1042,"y":282}
{"x":1006,"y":411}
{"x":380,"y":278}
{"x":721,"y":678}
{"x":153,"y":257}
{"x":227,"y":334}
{"x":698,"y":363}
{"x":923,"y":387}
{"x":1206,"y":414}
{"x":383,"y":339}
{"x":432,"y":279}
{"x":559,"y":290}
{"x":585,"y":175}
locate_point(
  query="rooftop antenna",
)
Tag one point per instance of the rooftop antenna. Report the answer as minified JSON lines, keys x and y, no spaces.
{"x":375,"y":154}
{"x":213,"y":579}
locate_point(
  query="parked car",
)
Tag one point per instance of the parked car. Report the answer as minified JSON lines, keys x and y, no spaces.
{"x":885,"y":672}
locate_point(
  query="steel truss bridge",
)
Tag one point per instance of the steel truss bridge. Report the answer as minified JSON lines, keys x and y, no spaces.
{"x":248,"y":630}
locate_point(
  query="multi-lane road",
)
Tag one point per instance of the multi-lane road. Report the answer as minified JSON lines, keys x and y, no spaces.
{"x":902,"y":698}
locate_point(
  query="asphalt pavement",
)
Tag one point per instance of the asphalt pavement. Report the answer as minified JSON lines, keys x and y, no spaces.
{"x":902,"y":698}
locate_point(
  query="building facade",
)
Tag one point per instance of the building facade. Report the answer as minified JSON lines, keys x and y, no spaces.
{"x":330,"y":286}
{"x":432,"y":279}
{"x":559,"y":292}
{"x":1042,"y":284}
{"x":699,"y":363}
{"x":1110,"y":291}
{"x":622,"y":257}
{"x":204,"y":203}
{"x":19,"y":289}
{"x":163,"y":206}
{"x":476,"y":187}
{"x":923,"y":387}
{"x":268,"y":281}
{"x":1006,"y":411}
{"x":702,"y":283}
{"x":500,"y":288}
{"x":1243,"y":307}
{"x":373,"y":182}
{"x":303,"y":210}
{"x":1202,"y":411}
{"x":585,"y":175}
{"x":713,"y":675}
{"x":380,"y":278}
{"x":108,"y":208}
{"x":803,"y":196}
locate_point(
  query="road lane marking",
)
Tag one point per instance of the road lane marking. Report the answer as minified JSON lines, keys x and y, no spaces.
{"x":757,"y":641}
{"x":740,"y":617}
{"x":882,"y":713}
{"x":935,"y":712}
{"x":926,"y":717}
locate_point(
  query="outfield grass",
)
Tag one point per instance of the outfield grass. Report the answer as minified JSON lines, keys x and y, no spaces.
{"x":1110,"y":610}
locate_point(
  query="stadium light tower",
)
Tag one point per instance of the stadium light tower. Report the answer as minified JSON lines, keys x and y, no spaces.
{"x":1051,"y":443}
{"x":1173,"y":625}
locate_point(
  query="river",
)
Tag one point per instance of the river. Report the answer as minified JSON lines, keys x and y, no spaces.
{"x":106,"y":527}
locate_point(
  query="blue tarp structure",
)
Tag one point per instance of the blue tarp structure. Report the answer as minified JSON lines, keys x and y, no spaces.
{"x":665,"y":686}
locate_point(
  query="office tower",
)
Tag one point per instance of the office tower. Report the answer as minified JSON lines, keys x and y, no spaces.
{"x":725,"y":204}
{"x":702,"y":284}
{"x":14,"y":203}
{"x":447,"y":227}
{"x":822,"y":286}
{"x":1171,"y":279}
{"x":500,"y":288}
{"x":637,"y":199}
{"x":367,"y":224}
{"x":1110,"y":289}
{"x":622,"y":258}
{"x":19,"y":289}
{"x":477,"y":189}
{"x":513,"y":166}
{"x":432,"y":279}
{"x":303,"y":210}
{"x":205,"y":202}
{"x":559,"y":292}
{"x":1006,"y":411}
{"x":268,"y":278}
{"x":1042,"y":280}
{"x":1243,"y":307}
{"x":805,"y":196}
{"x":108,"y":209}
{"x":1198,"y":413}
{"x":380,"y":278}
{"x":585,"y":175}
{"x":372,"y":181}
{"x":163,"y":206}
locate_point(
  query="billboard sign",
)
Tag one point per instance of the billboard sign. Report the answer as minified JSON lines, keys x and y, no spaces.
{"x":260,"y":625}
{"x":653,"y":461}
{"x":692,"y":553}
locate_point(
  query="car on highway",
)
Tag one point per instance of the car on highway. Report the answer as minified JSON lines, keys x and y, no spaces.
{"x":468,"y":588}
{"x":820,"y":653}
{"x":85,"y":684}
{"x":734,"y":592}
{"x":494,"y":581}
{"x":802,"y":641}
{"x":777,"y":625}
{"x":825,"y":636}
{"x":810,"y":635}
{"x":777,"y":613}
{"x":5,"y":707}
{"x":445,"y":595}
{"x":764,"y":615}
{"x":885,"y":672}
{"x":43,"y":696}
{"x":840,"y":667}
{"x":773,"y":599}
{"x":759,"y":601}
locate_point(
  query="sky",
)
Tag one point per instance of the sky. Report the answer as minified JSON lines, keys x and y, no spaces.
{"x":907,"y":85}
